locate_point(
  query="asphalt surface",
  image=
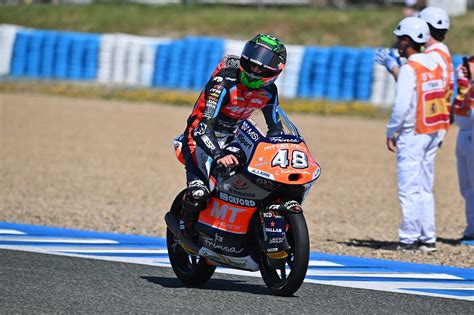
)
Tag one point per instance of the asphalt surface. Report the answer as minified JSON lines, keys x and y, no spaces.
{"x":41,"y":283}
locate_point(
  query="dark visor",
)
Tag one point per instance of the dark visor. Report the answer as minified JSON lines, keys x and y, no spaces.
{"x":261,"y":55}
{"x":256,"y":71}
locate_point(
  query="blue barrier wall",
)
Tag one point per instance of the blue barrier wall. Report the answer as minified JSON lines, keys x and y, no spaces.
{"x":336,"y":73}
{"x":55,"y":55}
{"x":187,"y":63}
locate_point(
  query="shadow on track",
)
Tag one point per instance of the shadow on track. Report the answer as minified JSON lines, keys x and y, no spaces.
{"x":449,"y":241}
{"x":213,"y":284}
{"x":389,"y":245}
{"x":374,"y":244}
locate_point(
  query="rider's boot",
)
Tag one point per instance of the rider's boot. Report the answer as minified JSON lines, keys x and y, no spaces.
{"x":194,"y":200}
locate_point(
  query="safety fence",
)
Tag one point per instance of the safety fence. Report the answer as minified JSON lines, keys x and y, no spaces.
{"x":333,"y":73}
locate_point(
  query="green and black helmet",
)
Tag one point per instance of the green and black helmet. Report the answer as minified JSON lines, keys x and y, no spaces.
{"x":262,"y":61}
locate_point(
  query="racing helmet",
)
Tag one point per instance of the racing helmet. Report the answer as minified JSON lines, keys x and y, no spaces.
{"x":263,"y":59}
{"x":415,"y":28}
{"x":436,"y":17}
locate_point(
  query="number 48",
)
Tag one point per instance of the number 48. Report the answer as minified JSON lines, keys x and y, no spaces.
{"x":298,"y":159}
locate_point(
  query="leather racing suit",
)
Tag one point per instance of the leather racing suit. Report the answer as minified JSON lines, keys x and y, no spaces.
{"x":223,"y":104}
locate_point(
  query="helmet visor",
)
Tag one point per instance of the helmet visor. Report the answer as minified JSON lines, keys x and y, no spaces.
{"x":262,"y":56}
{"x":256,"y":71}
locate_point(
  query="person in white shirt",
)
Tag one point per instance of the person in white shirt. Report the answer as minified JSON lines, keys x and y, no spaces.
{"x":417,"y":125}
{"x":438,"y":22}
{"x":463,"y":110}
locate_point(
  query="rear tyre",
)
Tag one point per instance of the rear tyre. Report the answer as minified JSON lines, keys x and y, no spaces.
{"x":286,"y":280}
{"x":191,"y":270}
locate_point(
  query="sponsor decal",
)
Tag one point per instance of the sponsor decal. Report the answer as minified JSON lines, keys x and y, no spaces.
{"x":256,"y":101}
{"x":237,"y":200}
{"x":248,"y":130}
{"x":270,"y":214}
{"x":233,"y":149}
{"x":231,"y":79}
{"x":256,"y":61}
{"x":243,"y":141}
{"x":291,"y":171}
{"x":230,"y":189}
{"x":276,"y":240}
{"x":200,"y":129}
{"x":273,"y":230}
{"x":217,"y":79}
{"x":196,"y":183}
{"x":239,"y":183}
{"x":261,"y":162}
{"x":253,"y":135}
{"x":221,"y":212}
{"x":259,"y":172}
{"x":292,"y":205}
{"x":216,"y":243}
{"x":212,"y":102}
{"x":274,"y":207}
{"x":264,"y":182}
{"x":235,"y":109}
{"x":286,"y":140}
{"x":208,"y":142}
{"x":232,"y":62}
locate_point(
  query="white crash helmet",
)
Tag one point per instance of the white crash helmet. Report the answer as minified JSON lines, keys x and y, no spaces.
{"x":436,"y":17}
{"x":415,"y":28}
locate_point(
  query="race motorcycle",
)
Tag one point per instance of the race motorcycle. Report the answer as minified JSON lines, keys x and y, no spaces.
{"x":253,"y":220}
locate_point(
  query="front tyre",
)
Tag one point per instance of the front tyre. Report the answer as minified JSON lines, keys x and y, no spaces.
{"x":191,"y":270}
{"x":286,"y":280}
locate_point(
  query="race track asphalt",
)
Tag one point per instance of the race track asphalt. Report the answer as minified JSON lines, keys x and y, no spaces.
{"x":41,"y":283}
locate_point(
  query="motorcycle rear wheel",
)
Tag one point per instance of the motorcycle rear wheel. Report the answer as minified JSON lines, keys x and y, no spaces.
{"x":191,"y":270}
{"x":287,"y":280}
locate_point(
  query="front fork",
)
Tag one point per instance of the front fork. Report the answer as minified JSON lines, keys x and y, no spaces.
{"x":274,"y":225}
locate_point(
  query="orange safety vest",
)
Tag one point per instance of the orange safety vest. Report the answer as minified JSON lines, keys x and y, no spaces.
{"x":449,"y":82}
{"x":432,"y":114}
{"x":464,"y":98}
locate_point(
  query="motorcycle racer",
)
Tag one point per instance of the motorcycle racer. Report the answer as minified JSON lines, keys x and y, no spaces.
{"x":238,"y":87}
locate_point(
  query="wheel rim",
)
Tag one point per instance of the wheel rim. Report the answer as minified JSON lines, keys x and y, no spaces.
{"x":182,"y":259}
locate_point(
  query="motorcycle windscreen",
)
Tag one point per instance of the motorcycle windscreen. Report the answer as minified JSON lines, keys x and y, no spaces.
{"x":288,"y":128}
{"x":287,"y":163}
{"x":227,"y":216}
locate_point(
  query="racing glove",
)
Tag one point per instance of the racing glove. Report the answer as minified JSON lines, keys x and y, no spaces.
{"x":386,"y":59}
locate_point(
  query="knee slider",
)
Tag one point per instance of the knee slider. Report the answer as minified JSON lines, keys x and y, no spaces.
{"x":196,"y":196}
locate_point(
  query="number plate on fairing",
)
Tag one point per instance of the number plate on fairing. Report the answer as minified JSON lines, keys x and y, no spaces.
{"x":287,"y":163}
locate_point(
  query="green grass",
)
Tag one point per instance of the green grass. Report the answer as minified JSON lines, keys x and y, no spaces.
{"x":355,"y":27}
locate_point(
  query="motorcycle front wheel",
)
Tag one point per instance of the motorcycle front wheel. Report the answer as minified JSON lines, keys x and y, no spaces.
{"x":287,"y":279}
{"x":191,"y":270}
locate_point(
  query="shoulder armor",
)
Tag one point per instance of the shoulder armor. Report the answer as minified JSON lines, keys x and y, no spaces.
{"x":231,"y":61}
{"x":226,"y":77}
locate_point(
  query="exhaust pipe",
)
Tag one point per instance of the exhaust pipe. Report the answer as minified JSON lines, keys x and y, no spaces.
{"x":173,"y":225}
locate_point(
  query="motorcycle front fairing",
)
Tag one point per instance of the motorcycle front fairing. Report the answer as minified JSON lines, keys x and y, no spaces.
{"x":280,"y":161}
